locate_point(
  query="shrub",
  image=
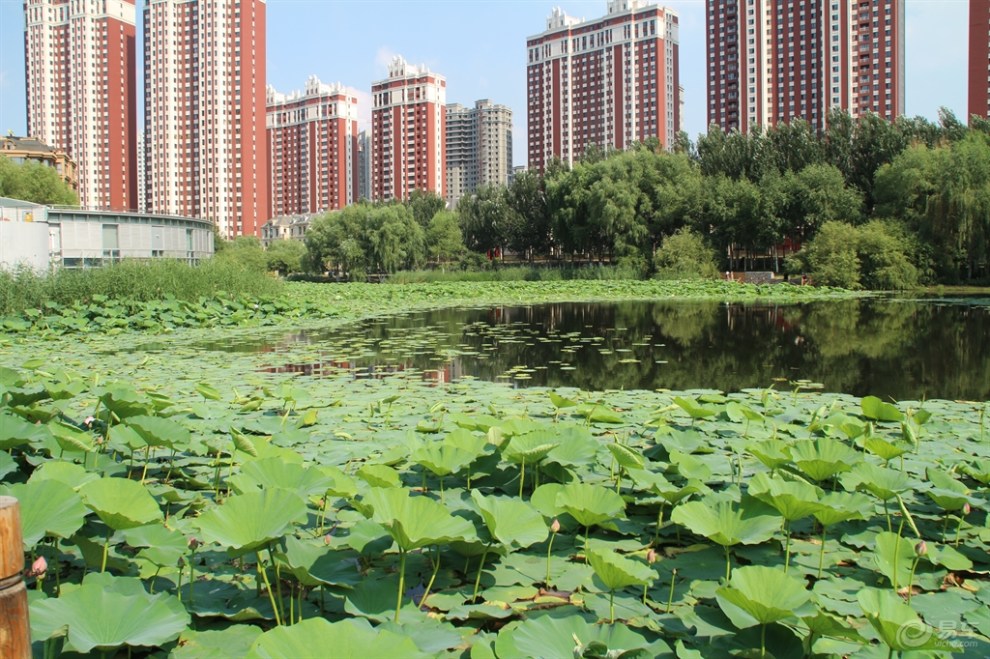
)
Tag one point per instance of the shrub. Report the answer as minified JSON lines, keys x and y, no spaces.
{"x":874,"y":256}
{"x":685,"y":255}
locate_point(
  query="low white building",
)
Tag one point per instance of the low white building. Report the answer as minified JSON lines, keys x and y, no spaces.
{"x":42,"y":237}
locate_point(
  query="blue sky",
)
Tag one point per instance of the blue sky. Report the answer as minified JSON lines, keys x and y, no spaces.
{"x":480,"y":46}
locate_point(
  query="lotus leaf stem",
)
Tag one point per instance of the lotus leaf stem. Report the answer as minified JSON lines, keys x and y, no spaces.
{"x":670,"y":598}
{"x":106,"y":548}
{"x":656,"y":532}
{"x":611,"y":606}
{"x":522,"y":477}
{"x":763,"y":640}
{"x":549,"y":549}
{"x":962,"y":520}
{"x":278,"y":578}
{"x":268,"y":587}
{"x":402,"y":583}
{"x":728,"y":564}
{"x":429,"y":586}
{"x":821,"y":553}
{"x":481,"y":565}
{"x":787,"y":546}
{"x":914,"y":566}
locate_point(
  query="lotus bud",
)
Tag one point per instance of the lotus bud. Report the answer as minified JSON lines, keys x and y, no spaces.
{"x":39,"y":567}
{"x":555,"y":526}
{"x":181,"y":563}
{"x":194,"y":543}
{"x":967,"y":508}
{"x":921,"y":548}
{"x":89,"y":421}
{"x":651,"y":557}
{"x":327,"y":539}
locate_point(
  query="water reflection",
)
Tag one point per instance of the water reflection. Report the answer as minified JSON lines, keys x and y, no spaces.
{"x":901,"y":349}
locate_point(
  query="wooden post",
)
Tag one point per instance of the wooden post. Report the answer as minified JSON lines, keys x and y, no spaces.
{"x":15,"y":632}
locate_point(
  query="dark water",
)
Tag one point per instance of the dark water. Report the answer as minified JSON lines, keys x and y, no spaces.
{"x":901,"y":349}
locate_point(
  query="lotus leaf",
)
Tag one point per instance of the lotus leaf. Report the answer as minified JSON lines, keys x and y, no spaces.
{"x":898,"y":625}
{"x":728,"y":523}
{"x":106,"y":613}
{"x":247,"y":522}
{"x":589,"y":504}
{"x":159,"y":431}
{"x":347,"y":639}
{"x":234,"y":641}
{"x":48,"y":508}
{"x":570,"y":636}
{"x":277,"y":473}
{"x":757,"y":595}
{"x":881,"y":482}
{"x":823,"y":458}
{"x":792,"y":499}
{"x":877,"y":410}
{"x":120,"y":503}
{"x":511,"y":522}
{"x":413,"y":521}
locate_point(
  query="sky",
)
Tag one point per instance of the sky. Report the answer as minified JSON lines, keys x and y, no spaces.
{"x":480,"y":47}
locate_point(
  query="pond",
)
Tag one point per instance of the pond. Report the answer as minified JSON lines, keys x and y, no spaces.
{"x":893,"y":348}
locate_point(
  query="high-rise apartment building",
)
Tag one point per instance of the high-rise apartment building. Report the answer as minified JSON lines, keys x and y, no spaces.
{"x":606,"y":83}
{"x":312,"y":149}
{"x":407,"y":132}
{"x":770,"y":61}
{"x":364,"y":165}
{"x":479,"y":148}
{"x":979,"y":58}
{"x":81,"y":86}
{"x":204,"y":104}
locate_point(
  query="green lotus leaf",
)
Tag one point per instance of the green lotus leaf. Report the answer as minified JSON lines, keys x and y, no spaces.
{"x":510,"y":521}
{"x":246,"y":522}
{"x":413,"y":521}
{"x":836,"y":507}
{"x":978,"y":470}
{"x":70,"y":438}
{"x":531,"y":447}
{"x":792,"y":499}
{"x":159,"y":431}
{"x":757,"y":595}
{"x":315,"y":564}
{"x":898,"y":625}
{"x":570,"y":636}
{"x":626,"y":457}
{"x":442,"y":459}
{"x":885,"y":450}
{"x":823,"y":458}
{"x":589,"y":504}
{"x":617,"y":571}
{"x":120,"y":503}
{"x":946,"y":491}
{"x":877,"y":410}
{"x":48,"y":509}
{"x":894,"y":556}
{"x":234,"y":641}
{"x":107,"y":612}
{"x":15,"y":431}
{"x":772,"y":453}
{"x":340,"y":484}
{"x":727,"y":523}
{"x":378,"y":475}
{"x":559,"y":401}
{"x":346,"y":639}
{"x":467,"y":441}
{"x":277,"y":473}
{"x":881,"y":482}
{"x":694,"y":410}
{"x":69,"y":473}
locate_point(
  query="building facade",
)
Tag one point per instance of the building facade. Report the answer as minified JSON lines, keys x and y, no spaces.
{"x":605,"y":83}
{"x":80,"y":78}
{"x":204,"y":101}
{"x":364,"y":165}
{"x":407,"y":132}
{"x":29,"y":149}
{"x":770,"y":61}
{"x":979,"y":58}
{"x":312,"y":149}
{"x":479,"y":148}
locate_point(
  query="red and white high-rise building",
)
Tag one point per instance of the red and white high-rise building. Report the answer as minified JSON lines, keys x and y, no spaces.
{"x":81,"y":86}
{"x":979,"y":58}
{"x":407,"y":132}
{"x":605,"y":83}
{"x":312,"y":149}
{"x":204,"y":105}
{"x":770,"y":61}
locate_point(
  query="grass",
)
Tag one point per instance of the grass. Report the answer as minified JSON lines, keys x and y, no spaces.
{"x":133,"y":280}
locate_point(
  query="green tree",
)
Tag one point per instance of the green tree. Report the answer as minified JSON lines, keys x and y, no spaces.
{"x":247,"y":251}
{"x":485,"y":218}
{"x":530,"y":232}
{"x":444,"y":241}
{"x":34,"y":182}
{"x":424,"y":204}
{"x":336,"y":241}
{"x":285,"y":256}
{"x":684,"y":255}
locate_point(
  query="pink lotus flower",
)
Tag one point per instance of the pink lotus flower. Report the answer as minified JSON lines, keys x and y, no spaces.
{"x":39,"y":568}
{"x":555,"y":526}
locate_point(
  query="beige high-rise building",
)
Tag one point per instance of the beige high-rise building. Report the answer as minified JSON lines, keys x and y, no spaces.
{"x":204,"y":112}
{"x":80,"y":78}
{"x":479,"y":148}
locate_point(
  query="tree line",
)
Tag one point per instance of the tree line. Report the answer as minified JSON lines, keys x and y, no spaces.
{"x":865,"y":203}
